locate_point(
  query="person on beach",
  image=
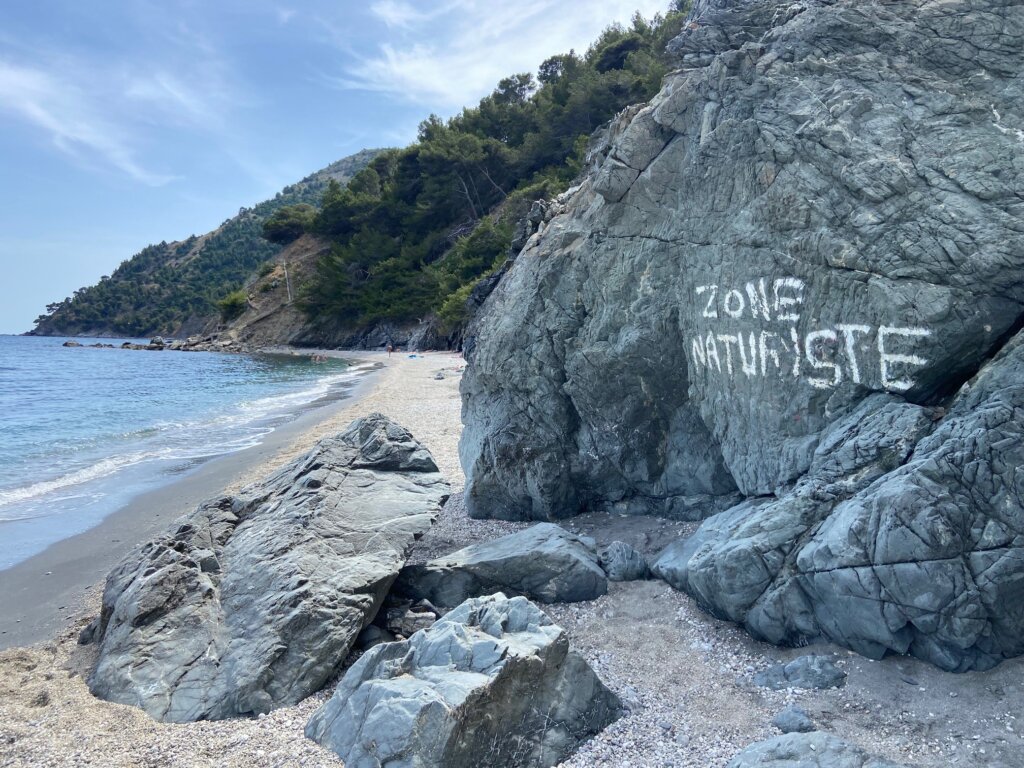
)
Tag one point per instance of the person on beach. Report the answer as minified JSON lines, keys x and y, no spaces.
{"x":390,"y":350}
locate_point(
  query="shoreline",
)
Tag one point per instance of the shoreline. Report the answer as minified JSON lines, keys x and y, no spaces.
{"x":44,"y":592}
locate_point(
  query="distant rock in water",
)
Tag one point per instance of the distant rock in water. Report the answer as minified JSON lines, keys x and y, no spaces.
{"x":792,"y":278}
{"x":492,"y":683}
{"x":253,"y":601}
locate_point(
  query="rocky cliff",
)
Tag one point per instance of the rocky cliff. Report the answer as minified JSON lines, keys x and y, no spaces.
{"x":786,"y":290}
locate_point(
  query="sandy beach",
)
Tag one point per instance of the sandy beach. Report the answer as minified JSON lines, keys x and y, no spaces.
{"x":685,"y":676}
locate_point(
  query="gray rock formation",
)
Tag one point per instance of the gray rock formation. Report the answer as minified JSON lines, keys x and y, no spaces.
{"x":544,"y":562}
{"x":492,"y":683}
{"x":807,"y":750}
{"x":793,"y":720}
{"x":813,"y":671}
{"x":768,"y":291}
{"x":252,"y":602}
{"x":622,"y":563}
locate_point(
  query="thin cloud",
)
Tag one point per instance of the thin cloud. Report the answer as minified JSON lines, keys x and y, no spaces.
{"x":104,"y":111}
{"x":473,"y":44}
{"x":398,"y":13}
{"x":175,"y":101}
{"x":74,"y":125}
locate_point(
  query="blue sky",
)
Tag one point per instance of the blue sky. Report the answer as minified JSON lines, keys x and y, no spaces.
{"x":128,"y":122}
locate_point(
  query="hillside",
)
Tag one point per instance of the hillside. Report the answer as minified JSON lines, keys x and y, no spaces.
{"x":415,"y":232}
{"x":403,"y":252}
{"x":173,"y":288}
{"x":403,"y":238}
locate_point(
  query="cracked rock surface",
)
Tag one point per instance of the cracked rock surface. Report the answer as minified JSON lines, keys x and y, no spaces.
{"x":252,"y":602}
{"x":494,"y":682}
{"x":788,"y":292}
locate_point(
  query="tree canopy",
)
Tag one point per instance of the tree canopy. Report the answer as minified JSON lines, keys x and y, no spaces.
{"x":419,"y":227}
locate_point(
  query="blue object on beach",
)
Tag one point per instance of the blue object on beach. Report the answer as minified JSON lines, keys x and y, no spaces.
{"x":413,"y":356}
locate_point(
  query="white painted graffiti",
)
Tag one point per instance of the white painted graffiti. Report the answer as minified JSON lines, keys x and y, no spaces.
{"x":824,"y":357}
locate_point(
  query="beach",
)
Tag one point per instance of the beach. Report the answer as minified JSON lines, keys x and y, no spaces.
{"x":45,"y":591}
{"x":684,"y":675}
{"x":48,"y":716}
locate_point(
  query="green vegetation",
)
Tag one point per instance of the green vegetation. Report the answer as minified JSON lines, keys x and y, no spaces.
{"x":288,"y":224}
{"x":166,"y":285}
{"x":411,"y":231}
{"x":232,"y":305}
{"x":414,"y":231}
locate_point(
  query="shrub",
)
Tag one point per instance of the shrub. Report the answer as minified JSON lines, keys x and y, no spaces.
{"x":288,"y":223}
{"x":233,"y":305}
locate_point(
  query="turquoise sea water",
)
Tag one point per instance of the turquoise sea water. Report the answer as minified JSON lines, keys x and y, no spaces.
{"x":84,"y":430}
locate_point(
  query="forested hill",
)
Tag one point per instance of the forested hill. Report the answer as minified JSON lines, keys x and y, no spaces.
{"x":169,"y":287}
{"x":416,"y":231}
{"x":393,"y":242}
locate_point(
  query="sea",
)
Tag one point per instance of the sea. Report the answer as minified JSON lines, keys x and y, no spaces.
{"x":84,"y":430}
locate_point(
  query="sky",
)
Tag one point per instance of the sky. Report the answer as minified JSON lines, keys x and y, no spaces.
{"x":129,"y":122}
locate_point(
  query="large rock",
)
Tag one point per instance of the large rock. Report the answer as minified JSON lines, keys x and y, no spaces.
{"x":492,"y":683}
{"x":807,"y":750}
{"x":776,"y":278}
{"x":926,"y":559}
{"x":622,"y":562}
{"x":253,"y":601}
{"x":544,"y":562}
{"x":793,"y":720}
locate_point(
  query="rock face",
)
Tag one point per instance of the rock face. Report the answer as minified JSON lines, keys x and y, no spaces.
{"x":807,"y":750}
{"x":492,"y":683}
{"x":771,"y":290}
{"x":545,"y":563}
{"x":253,"y":601}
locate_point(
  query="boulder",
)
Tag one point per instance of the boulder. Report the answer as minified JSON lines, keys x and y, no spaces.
{"x":763,"y":303}
{"x":622,"y":562}
{"x":812,"y":671}
{"x":807,"y":750}
{"x":252,"y":601}
{"x":924,"y":558}
{"x":793,"y":720}
{"x":371,"y":636}
{"x":492,"y":683}
{"x":544,"y":562}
